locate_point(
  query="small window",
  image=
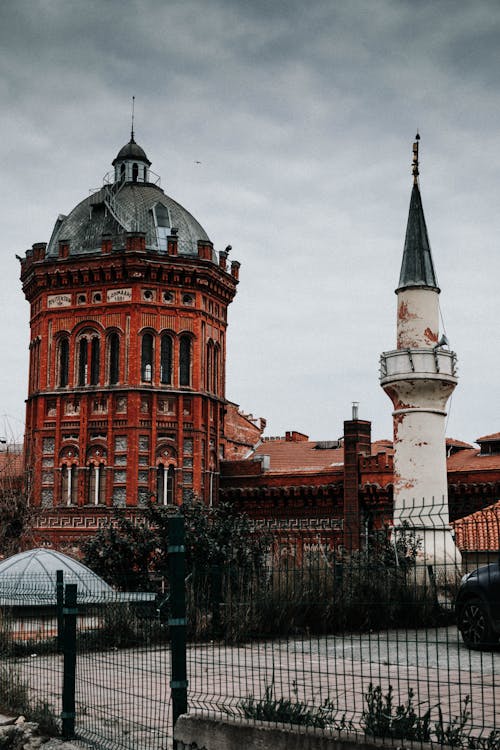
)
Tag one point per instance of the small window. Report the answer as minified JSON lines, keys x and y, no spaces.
{"x":95,"y":361}
{"x":114,"y":358}
{"x":168,"y":296}
{"x":147,"y":358}
{"x":96,"y":484}
{"x":63,"y":362}
{"x":165,"y":485}
{"x":185,"y":361}
{"x":82,"y":362}
{"x":122,"y":172}
{"x":166,"y":360}
{"x":187,"y":299}
{"x":135,"y":172}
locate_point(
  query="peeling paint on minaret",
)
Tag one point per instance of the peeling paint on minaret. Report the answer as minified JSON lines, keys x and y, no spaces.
{"x":419,"y":376}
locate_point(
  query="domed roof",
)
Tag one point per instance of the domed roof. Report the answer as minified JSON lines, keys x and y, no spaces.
{"x":131,"y":150}
{"x":29,"y":579}
{"x":33,"y":574}
{"x":122,"y":207}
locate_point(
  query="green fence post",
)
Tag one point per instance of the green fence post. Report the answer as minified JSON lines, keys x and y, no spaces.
{"x":69,"y":671}
{"x":60,"y":604}
{"x":177,"y":622}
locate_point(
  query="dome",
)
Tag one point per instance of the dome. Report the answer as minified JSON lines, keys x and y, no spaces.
{"x":131,"y":150}
{"x":117,"y":209}
{"x":30,"y":578}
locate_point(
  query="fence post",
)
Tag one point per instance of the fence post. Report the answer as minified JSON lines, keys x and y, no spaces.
{"x":177,"y":622}
{"x":69,"y":670}
{"x":60,"y":605}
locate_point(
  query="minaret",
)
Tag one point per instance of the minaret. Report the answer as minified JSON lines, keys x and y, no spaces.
{"x":419,"y":376}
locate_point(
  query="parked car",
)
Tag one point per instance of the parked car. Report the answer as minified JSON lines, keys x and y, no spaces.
{"x":477,"y":607}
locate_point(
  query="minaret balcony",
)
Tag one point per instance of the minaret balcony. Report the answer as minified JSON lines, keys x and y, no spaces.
{"x":431,"y":364}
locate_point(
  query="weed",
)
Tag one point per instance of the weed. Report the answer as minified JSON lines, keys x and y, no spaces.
{"x":381,"y":718}
{"x":287,"y":711}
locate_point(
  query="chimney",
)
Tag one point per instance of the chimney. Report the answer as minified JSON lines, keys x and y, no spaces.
{"x":357,"y":442}
{"x":172,"y":248}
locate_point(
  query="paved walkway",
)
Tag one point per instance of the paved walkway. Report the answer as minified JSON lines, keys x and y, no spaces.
{"x":123,"y":696}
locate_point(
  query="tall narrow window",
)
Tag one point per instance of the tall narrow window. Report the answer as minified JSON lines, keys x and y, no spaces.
{"x":114,"y":359}
{"x":122,"y":172}
{"x":216,"y":368}
{"x":185,"y":361}
{"x":83,"y":362}
{"x":166,"y":360}
{"x":147,"y":358}
{"x":95,"y":361}
{"x":63,"y":362}
{"x":161,"y":486}
{"x":96,"y":484}
{"x":165,"y":485}
{"x":69,"y":487}
{"x":170,"y":485}
{"x":208,"y":370}
{"x":135,"y":172}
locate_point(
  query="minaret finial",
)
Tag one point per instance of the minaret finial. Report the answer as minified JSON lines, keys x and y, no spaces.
{"x":414,"y":166}
{"x":132,"y":128}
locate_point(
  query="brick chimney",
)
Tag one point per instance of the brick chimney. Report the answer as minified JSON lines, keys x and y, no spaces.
{"x":357,"y":442}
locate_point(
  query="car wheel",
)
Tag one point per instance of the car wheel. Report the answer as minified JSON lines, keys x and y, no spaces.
{"x":474,"y":625}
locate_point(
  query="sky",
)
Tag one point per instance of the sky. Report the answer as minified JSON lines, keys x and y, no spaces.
{"x":303,"y":117}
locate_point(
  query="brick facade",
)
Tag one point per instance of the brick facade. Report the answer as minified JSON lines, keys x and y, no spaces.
{"x":126,"y":397}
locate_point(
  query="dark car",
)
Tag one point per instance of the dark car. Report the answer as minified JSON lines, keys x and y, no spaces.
{"x":477,"y":607}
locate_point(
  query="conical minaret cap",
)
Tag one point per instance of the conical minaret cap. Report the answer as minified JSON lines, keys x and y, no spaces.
{"x":417,"y":268}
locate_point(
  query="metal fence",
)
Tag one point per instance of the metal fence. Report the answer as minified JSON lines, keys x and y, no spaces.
{"x":358,"y":636}
{"x":310,"y":628}
{"x":86,"y":661}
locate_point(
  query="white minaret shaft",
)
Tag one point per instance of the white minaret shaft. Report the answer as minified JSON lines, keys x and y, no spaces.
{"x":419,"y":376}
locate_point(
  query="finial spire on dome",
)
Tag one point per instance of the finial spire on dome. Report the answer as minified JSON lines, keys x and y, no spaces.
{"x":132,"y":128}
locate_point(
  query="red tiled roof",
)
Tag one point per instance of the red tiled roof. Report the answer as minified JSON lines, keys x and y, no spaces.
{"x":382,"y":446}
{"x":452,"y":443}
{"x":479,"y":532}
{"x":485,"y":438}
{"x":287,"y":456}
{"x":303,"y":456}
{"x":472,"y":460}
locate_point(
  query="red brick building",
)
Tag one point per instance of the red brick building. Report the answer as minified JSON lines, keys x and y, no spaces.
{"x":128,"y":324}
{"x":334,"y":492}
{"x":127,"y":400}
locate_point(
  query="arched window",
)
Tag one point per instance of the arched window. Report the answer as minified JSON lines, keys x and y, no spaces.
{"x":165,"y":485}
{"x":147,"y":358}
{"x":96,"y":484}
{"x":185,"y":360}
{"x":63,"y":362}
{"x":114,"y":358}
{"x":166,"y":360}
{"x":82,"y":362}
{"x":135,"y":172}
{"x":69,"y":485}
{"x":95,"y":360}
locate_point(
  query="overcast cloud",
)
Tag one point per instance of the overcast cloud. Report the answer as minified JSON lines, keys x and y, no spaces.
{"x":302,"y":116}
